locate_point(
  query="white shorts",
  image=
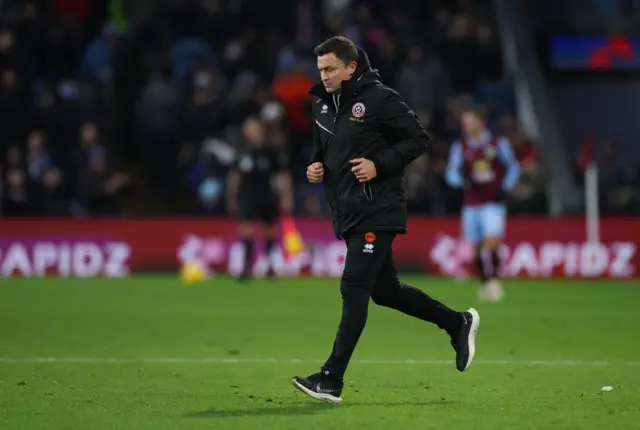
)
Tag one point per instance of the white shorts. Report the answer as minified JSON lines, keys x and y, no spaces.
{"x":482,"y":221}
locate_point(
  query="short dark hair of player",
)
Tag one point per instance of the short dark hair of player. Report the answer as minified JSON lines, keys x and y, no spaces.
{"x":479,"y":112}
{"x":342,"y":47}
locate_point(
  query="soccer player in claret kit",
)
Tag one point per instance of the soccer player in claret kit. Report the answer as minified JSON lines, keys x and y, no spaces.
{"x":258,"y":189}
{"x":484,"y":166}
{"x":364,"y":137}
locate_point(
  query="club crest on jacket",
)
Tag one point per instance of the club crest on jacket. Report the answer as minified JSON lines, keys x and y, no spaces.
{"x":358,"y":110}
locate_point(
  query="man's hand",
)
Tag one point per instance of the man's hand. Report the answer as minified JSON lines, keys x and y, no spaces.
{"x":364,"y":169}
{"x":315,"y":172}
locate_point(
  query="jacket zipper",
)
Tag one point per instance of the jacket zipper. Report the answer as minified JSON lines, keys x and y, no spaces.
{"x":366,"y":187}
{"x":336,"y":104}
{"x":368,"y":192}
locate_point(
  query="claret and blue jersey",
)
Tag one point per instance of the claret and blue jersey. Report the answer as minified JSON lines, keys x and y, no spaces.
{"x":484,"y":168}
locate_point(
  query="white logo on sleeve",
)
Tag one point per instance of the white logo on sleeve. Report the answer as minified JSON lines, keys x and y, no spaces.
{"x":324,"y":109}
{"x":368,"y":248}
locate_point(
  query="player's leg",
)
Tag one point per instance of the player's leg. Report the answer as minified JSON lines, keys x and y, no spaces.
{"x":269,"y":217}
{"x":388,"y":291}
{"x":461,"y":326}
{"x":472,"y":233}
{"x":365,"y":255}
{"x":493,"y":227}
{"x":247,"y":233}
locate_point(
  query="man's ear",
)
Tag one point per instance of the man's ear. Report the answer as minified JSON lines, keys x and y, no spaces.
{"x":352,"y":67}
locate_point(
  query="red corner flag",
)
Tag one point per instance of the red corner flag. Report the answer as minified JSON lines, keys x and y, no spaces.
{"x":291,"y":238}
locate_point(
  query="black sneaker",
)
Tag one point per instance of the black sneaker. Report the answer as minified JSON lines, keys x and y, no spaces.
{"x":320,"y":386}
{"x":464,"y":342}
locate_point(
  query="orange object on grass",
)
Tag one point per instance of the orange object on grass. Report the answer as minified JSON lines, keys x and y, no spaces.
{"x":291,"y":238}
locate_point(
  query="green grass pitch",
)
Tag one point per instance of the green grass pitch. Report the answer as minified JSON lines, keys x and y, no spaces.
{"x":149,"y":353}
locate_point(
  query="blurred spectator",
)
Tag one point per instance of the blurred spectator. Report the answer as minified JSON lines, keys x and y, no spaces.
{"x":171,"y":82}
{"x":445,"y":200}
{"x":157,"y":107}
{"x":188,"y":52}
{"x":88,"y":140}
{"x":14,"y":158}
{"x":54,"y":199}
{"x":99,"y":183}
{"x":157,"y":123}
{"x":31,"y":30}
{"x":422,"y":81}
{"x":99,"y":56}
{"x":528,"y":196}
{"x":489,"y":54}
{"x":203,"y":113}
{"x":453,"y":110}
{"x":17,"y":199}
{"x":63,"y":49}
{"x":616,"y":179}
{"x":210,"y":193}
{"x":291,"y":86}
{"x":11,"y":56}
{"x":206,"y":176}
{"x":385,"y":56}
{"x":38,"y":159}
{"x":459,"y":51}
{"x":415,"y":183}
{"x":14,"y":105}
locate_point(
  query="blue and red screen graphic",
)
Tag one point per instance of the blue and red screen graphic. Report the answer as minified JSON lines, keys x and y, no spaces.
{"x":597,"y":53}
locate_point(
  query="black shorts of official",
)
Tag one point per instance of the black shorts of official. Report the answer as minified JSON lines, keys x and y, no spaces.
{"x":263,"y":211}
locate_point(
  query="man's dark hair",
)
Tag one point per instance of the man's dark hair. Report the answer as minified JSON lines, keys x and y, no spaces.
{"x":342,"y":47}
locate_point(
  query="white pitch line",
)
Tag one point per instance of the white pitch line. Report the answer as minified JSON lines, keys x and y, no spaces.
{"x":214,"y":360}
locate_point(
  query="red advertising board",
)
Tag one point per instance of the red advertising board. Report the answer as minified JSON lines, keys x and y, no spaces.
{"x":535,"y":247}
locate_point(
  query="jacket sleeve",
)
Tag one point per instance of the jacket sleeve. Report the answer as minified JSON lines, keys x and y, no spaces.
{"x":316,"y":152}
{"x":408,"y":138}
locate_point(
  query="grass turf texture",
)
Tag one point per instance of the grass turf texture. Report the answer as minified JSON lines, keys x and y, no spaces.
{"x":227,"y":353}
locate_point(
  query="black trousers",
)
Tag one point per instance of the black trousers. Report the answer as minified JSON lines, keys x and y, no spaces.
{"x":370,"y":272}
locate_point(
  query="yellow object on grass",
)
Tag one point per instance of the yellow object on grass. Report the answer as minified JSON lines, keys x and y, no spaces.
{"x":192,"y":273}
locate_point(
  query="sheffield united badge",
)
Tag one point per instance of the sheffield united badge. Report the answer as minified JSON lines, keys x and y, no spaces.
{"x":358,"y":110}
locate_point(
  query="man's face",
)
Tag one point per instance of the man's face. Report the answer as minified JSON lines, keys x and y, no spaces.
{"x":6,"y":41}
{"x":333,"y":71}
{"x":471,"y":124}
{"x":253,"y":132}
{"x":88,"y":134}
{"x":35,"y":143}
{"x":52,"y":179}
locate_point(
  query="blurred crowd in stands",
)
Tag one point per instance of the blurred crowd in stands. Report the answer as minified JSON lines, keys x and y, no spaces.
{"x":136,"y":107}
{"x":618,"y":180}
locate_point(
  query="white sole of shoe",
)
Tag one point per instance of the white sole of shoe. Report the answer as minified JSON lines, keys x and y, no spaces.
{"x":471,"y":339}
{"x":328,"y":398}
